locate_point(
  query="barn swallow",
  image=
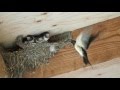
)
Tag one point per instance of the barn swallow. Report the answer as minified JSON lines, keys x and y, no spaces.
{"x":36,"y":38}
{"x":82,"y":43}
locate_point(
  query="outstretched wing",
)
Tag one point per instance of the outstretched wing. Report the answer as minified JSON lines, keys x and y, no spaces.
{"x":85,"y":38}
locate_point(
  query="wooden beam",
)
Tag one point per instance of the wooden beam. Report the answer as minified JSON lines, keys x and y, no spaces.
{"x":109,"y":69}
{"x":3,"y":72}
{"x":105,"y":47}
{"x":13,"y":24}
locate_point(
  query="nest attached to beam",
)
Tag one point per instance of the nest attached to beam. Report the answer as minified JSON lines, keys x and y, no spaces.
{"x":31,"y":56}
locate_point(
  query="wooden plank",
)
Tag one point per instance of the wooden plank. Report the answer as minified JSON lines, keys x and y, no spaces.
{"x":104,"y":48}
{"x":13,"y":24}
{"x":108,"y":69}
{"x":3,"y":72}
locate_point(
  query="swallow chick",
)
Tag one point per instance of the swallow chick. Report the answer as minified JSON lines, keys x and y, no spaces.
{"x":36,"y":38}
{"x":29,"y":38}
{"x":43,"y":36}
{"x":82,"y":43}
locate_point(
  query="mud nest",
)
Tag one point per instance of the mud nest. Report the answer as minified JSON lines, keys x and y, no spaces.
{"x":32,"y":55}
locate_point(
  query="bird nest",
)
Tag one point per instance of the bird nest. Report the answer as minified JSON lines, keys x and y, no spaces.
{"x":32,"y":55}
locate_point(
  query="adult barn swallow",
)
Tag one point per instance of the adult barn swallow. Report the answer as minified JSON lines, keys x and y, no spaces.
{"x":82,"y":43}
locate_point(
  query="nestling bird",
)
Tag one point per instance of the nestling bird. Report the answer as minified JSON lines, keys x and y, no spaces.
{"x":32,"y":56}
{"x":82,"y":43}
{"x":36,"y":38}
{"x":45,"y":36}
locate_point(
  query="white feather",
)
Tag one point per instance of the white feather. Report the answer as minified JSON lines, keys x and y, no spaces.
{"x":52,"y":48}
{"x":79,"y":50}
{"x":83,"y":39}
{"x":82,"y":42}
{"x":45,"y":38}
{"x":79,"y":41}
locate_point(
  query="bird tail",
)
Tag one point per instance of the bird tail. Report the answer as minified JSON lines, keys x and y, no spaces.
{"x":85,"y":57}
{"x":86,"y":61}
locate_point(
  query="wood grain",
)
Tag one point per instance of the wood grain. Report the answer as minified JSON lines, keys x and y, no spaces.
{"x":3,"y":71}
{"x":13,"y":24}
{"x":108,"y":69}
{"x":105,"y":47}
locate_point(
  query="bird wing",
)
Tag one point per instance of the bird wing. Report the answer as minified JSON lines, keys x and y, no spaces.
{"x":85,"y":38}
